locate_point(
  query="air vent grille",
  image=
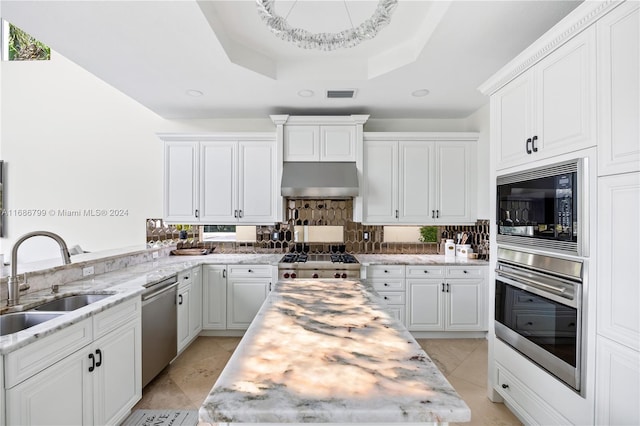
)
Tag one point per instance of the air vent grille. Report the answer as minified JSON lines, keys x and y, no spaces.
{"x":341,"y":94}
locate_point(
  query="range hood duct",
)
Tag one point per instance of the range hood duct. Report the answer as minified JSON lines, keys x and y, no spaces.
{"x":319,"y":180}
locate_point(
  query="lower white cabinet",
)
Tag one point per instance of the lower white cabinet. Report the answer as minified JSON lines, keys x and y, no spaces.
{"x":388,"y":281}
{"x":189,"y":306}
{"x":96,"y":384}
{"x":247,"y":288}
{"x":233,"y":294}
{"x":455,"y":302}
{"x":214,"y":297}
{"x":617,"y":384}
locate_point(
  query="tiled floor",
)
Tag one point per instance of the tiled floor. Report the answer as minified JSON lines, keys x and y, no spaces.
{"x":188,"y":380}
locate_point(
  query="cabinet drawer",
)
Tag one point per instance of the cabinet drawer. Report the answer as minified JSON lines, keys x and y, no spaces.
{"x":184,"y":277}
{"x":463,"y":272}
{"x":35,"y":357}
{"x":247,"y":271}
{"x":116,"y":316}
{"x":525,"y":400}
{"x":385,"y":271}
{"x":388,"y":285}
{"x":421,"y":271}
{"x":393,"y":297}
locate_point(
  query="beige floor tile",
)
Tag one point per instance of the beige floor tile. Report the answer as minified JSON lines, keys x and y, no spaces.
{"x":449,"y":354}
{"x":474,"y":367}
{"x":163,"y":393}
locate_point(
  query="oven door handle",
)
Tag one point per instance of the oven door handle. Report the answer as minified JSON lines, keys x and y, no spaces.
{"x":542,"y":286}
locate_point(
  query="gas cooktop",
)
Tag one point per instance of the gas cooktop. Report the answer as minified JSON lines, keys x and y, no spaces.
{"x":305,"y":257}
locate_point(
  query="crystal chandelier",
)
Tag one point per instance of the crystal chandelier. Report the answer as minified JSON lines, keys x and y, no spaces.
{"x":326,"y":41}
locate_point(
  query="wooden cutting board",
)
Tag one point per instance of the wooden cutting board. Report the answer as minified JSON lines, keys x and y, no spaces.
{"x":189,"y":252}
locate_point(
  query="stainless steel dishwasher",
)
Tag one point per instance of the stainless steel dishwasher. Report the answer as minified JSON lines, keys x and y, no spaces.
{"x":159,"y":327}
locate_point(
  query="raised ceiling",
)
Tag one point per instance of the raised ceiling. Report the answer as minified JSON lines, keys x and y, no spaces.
{"x":161,"y":53}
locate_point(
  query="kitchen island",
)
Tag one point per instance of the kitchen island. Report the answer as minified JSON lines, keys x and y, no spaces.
{"x":326,"y":351}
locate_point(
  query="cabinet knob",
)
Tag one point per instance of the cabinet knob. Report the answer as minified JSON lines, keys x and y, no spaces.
{"x":386,"y":272}
{"x":250,"y":271}
{"x":505,"y":386}
{"x":386,"y":285}
{"x":386,"y":298}
{"x":426,"y":272}
{"x":464,"y":272}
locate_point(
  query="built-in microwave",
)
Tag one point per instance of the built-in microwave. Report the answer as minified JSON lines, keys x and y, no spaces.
{"x":544,"y":208}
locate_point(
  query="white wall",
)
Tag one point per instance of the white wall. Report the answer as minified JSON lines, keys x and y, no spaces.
{"x":72,"y":142}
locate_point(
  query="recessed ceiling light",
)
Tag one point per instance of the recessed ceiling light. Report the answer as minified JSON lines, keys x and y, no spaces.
{"x":420,"y":93}
{"x":194,"y":93}
{"x":306,"y":93}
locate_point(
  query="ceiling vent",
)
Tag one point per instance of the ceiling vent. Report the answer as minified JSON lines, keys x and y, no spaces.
{"x":341,"y":94}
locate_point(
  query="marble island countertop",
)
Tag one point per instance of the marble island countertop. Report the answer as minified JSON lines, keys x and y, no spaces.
{"x":326,"y":351}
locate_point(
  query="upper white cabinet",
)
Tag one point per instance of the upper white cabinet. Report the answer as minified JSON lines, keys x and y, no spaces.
{"x":221,"y":179}
{"x":320,"y":138}
{"x":619,"y":90}
{"x":319,"y":143}
{"x":550,"y":108}
{"x":414,"y":179}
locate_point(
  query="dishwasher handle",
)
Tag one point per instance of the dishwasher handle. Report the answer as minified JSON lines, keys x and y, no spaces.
{"x":150,"y":297}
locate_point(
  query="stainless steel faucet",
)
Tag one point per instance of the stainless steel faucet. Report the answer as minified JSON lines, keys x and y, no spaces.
{"x":13,"y":281}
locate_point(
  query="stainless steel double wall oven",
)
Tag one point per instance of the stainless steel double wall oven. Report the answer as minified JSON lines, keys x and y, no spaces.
{"x":542,"y":238}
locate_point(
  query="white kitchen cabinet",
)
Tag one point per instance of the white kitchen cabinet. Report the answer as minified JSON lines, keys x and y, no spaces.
{"x":617,"y":258}
{"x":619,"y":90}
{"x":96,"y":384}
{"x":189,"y":306}
{"x":319,"y":143}
{"x":228,"y":179}
{"x":454,"y":302}
{"x":550,"y":108}
{"x":418,"y":181}
{"x":214,"y":297}
{"x":181,"y":181}
{"x":617,"y":384}
{"x":247,"y":288}
{"x":195,"y":302}
{"x":389,"y":282}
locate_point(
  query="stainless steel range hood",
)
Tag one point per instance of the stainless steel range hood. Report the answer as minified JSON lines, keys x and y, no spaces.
{"x":319,"y":180}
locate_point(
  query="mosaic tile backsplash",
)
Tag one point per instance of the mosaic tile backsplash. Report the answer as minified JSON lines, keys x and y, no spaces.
{"x":319,"y":212}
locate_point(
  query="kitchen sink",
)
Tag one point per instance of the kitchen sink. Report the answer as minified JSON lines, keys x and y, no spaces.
{"x":18,"y":321}
{"x":71,"y":303}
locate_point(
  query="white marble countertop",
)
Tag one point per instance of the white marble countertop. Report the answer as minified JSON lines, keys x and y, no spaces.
{"x":326,"y":351}
{"x":416,"y":259}
{"x":122,"y":285}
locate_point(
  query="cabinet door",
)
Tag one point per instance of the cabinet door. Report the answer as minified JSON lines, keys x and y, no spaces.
{"x":381,"y":182}
{"x":618,"y":254}
{"x":59,"y":395}
{"x":257,"y":182}
{"x":181,"y":181}
{"x":617,"y":384}
{"x":117,"y":376}
{"x":511,"y":120}
{"x":619,"y":90}
{"x":183,"y":303}
{"x":416,"y":173}
{"x":301,"y":143}
{"x":565,"y":103}
{"x":455,"y":197}
{"x":218,"y":189}
{"x":337,"y":143}
{"x":425,"y":311}
{"x":214,"y":296}
{"x":244,"y":301}
{"x":464,"y":305}
{"x":195,"y":302}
